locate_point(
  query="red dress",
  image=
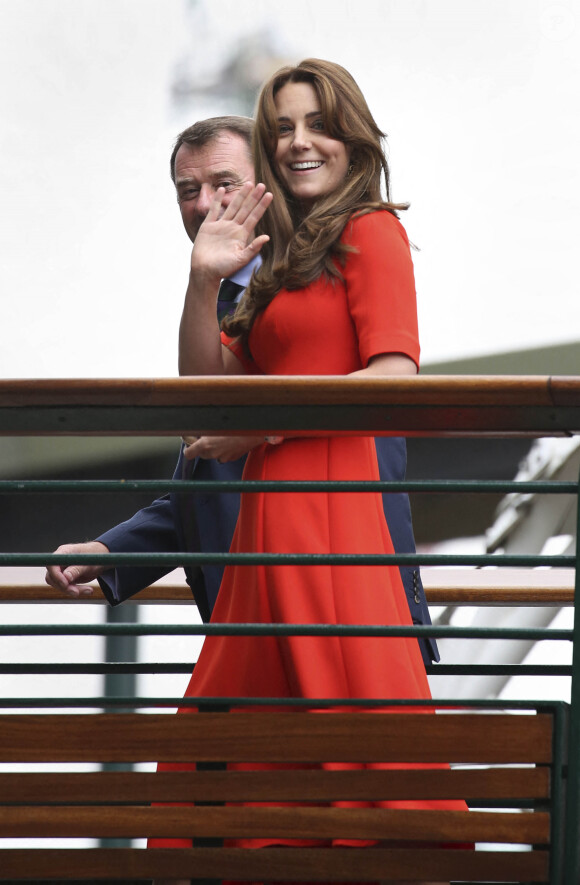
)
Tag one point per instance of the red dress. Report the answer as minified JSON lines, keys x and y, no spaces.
{"x":327,"y":328}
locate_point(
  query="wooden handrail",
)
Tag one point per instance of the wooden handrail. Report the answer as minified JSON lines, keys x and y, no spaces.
{"x":466,"y":390}
{"x":422,"y":406}
{"x":478,"y":587}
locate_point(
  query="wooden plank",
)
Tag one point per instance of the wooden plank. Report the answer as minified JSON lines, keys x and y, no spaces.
{"x":504,"y":586}
{"x":436,"y":405}
{"x":470,"y":390}
{"x":277,"y":864}
{"x":274,"y":822}
{"x":467,"y":593}
{"x":236,"y":786}
{"x":515,"y":596}
{"x":276,"y":737}
{"x":563,"y":389}
{"x":31,"y":593}
{"x":458,"y":586}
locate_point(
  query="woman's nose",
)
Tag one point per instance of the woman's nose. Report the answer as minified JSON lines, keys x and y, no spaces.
{"x":301,"y":140}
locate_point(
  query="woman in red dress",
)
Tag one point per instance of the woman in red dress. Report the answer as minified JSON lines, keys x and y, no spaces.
{"x":334,"y":296}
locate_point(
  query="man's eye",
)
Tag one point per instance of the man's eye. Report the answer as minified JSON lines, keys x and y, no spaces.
{"x":227,"y":184}
{"x":190,"y":193}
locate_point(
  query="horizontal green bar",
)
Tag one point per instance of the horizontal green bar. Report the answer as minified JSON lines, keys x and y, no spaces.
{"x":314,"y":703}
{"x":499,"y":670}
{"x":370,"y":630}
{"x":186,"y":487}
{"x":175,"y":559}
{"x":94,"y":669}
{"x":118,"y":668}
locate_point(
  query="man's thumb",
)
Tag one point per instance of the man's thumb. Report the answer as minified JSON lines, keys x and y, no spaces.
{"x":73,"y":573}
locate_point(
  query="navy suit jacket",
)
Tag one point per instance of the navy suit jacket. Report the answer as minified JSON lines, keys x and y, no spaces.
{"x":205,"y":523}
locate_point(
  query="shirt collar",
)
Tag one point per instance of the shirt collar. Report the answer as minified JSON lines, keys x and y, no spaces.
{"x":242,"y":276}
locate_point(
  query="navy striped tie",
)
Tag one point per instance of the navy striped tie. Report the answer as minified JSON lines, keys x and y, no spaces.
{"x":226,"y":303}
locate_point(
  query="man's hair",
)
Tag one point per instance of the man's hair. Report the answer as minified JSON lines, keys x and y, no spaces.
{"x":204,"y":131}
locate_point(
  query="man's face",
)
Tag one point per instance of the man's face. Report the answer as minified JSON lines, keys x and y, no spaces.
{"x":199,"y":171}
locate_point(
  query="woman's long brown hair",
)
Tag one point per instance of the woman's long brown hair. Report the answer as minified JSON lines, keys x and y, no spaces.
{"x":304,"y":245}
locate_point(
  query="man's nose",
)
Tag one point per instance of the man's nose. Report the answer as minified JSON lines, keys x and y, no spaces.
{"x":204,"y":199}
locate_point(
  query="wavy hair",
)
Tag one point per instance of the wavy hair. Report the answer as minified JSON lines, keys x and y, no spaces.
{"x":305,"y":242}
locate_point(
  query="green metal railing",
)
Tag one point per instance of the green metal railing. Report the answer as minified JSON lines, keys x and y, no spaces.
{"x":461,"y":407}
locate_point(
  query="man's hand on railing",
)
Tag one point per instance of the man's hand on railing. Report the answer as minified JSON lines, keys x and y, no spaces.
{"x":71,"y":579}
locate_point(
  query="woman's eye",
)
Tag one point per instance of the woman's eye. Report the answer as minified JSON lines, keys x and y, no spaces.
{"x":318,"y":125}
{"x":283,"y":129}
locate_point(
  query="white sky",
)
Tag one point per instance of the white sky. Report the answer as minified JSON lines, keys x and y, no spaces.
{"x":480,"y":100}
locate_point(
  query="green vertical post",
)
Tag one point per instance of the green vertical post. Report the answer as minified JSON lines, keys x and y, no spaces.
{"x":120,"y":649}
{"x":560,"y":712}
{"x":572,"y":823}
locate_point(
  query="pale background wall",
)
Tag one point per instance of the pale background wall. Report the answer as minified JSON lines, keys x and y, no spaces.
{"x":479,"y":99}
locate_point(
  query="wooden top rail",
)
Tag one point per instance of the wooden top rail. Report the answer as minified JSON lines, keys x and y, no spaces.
{"x":479,"y":587}
{"x":422,"y":406}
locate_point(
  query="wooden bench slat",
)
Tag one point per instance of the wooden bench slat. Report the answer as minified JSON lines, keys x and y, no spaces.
{"x":291,"y":822}
{"x":295,"y":785}
{"x":275,"y":737}
{"x":278,"y":864}
{"x":263,"y":736}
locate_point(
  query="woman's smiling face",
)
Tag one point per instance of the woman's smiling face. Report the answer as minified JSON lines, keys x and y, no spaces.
{"x":309,"y":163}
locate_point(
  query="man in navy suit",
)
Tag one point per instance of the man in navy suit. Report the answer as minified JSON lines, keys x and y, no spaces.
{"x":210,"y":154}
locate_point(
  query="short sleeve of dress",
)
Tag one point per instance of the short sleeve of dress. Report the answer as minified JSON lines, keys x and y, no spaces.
{"x":380,"y":287}
{"x":238,"y":351}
